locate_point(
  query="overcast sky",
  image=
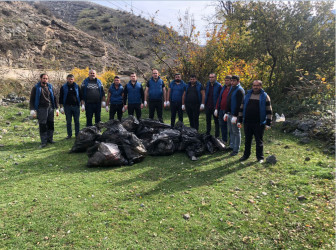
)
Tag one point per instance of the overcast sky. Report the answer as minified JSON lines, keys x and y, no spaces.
{"x":168,"y":11}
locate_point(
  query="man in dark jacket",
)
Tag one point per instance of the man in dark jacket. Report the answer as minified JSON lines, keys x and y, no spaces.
{"x":194,"y":101}
{"x":93,"y":96}
{"x":115,"y":98}
{"x":256,"y":114}
{"x":70,"y":100}
{"x":42,"y":104}
{"x":155,"y":92}
{"x":135,"y":94}
{"x":235,"y":98}
{"x":212,"y":91}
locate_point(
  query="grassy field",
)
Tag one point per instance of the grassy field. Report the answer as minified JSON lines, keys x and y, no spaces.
{"x":49,"y":198}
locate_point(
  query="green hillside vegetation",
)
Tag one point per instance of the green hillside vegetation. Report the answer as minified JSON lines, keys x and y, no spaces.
{"x":49,"y":198}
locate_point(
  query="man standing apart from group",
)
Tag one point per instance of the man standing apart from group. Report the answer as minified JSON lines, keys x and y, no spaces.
{"x":256,"y":114}
{"x":235,"y":98}
{"x":93,"y":96}
{"x":212,"y":91}
{"x":115,"y":98}
{"x":194,"y":101}
{"x":42,"y":104}
{"x":155,"y":91}
{"x":221,"y":106}
{"x":70,"y":100}
{"x":135,"y":94}
{"x":176,"y":95}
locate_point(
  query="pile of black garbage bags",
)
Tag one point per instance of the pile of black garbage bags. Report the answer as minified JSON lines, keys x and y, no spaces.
{"x":115,"y":143}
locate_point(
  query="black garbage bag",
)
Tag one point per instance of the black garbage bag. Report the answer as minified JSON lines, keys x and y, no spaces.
{"x":86,"y":138}
{"x":107,"y":155}
{"x":161,"y":144}
{"x":218,"y":143}
{"x":155,"y":124}
{"x":208,"y":143}
{"x":130,"y":123}
{"x":114,"y":125}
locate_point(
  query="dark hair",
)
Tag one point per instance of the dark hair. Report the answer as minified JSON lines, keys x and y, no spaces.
{"x":177,"y":74}
{"x":235,"y":77}
{"x":193,"y":76}
{"x":228,"y":77}
{"x":43,"y":74}
{"x":133,"y":73}
{"x":116,"y":77}
{"x":70,"y":76}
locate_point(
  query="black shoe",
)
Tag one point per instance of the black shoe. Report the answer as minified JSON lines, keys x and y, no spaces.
{"x":233,"y":153}
{"x":43,"y":145}
{"x":51,"y":142}
{"x":68,"y":137}
{"x":261,"y":161}
{"x":243,"y":158}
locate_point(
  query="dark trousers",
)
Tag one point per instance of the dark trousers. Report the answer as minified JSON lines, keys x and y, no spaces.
{"x":135,"y":107}
{"x":193,"y":111}
{"x":175,"y":107}
{"x":209,"y":113}
{"x":45,"y":118}
{"x":223,"y":125}
{"x":257,"y":130}
{"x":155,"y":105}
{"x":116,"y":108}
{"x":90,"y":109}
{"x":72,"y":111}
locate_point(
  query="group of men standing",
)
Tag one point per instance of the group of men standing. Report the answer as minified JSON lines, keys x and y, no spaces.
{"x":227,"y":105}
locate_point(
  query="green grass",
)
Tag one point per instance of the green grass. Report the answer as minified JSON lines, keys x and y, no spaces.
{"x":49,"y":198}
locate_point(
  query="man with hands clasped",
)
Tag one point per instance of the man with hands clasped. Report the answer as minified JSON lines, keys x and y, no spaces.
{"x":115,"y":98}
{"x":256,"y":114}
{"x":133,"y":91}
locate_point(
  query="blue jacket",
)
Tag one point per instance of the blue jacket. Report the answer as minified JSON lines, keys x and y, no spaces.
{"x":198,"y":88}
{"x":262,"y":105}
{"x":233,"y":97}
{"x":176,"y":91}
{"x":116,"y":94}
{"x":155,"y":91}
{"x":220,"y":96}
{"x":217,"y":86}
{"x":66,"y":90}
{"x":134,"y":94}
{"x":38,"y":95}
{"x":85,"y":84}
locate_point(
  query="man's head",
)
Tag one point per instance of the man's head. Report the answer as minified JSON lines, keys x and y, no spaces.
{"x":155,"y":74}
{"x":177,"y":77}
{"x":92,"y":74}
{"x":235,"y":80}
{"x":193,"y":79}
{"x":256,"y":86}
{"x":117,"y":80}
{"x":212,"y":77}
{"x":227,"y":80}
{"x":44,"y":78}
{"x":133,"y":77}
{"x":70,"y":78}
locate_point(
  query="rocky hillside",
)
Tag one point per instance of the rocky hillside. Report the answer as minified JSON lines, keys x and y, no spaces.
{"x":132,"y":34}
{"x":32,"y":37}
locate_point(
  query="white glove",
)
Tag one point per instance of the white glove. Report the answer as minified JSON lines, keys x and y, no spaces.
{"x":145,"y":103}
{"x":33,"y":113}
{"x":62,"y":111}
{"x":168,"y":103}
{"x":57,"y":112}
{"x":267,"y":127}
{"x":103,"y":104}
{"x":216,"y":113}
{"x":164,"y":104}
{"x":83,"y":108}
{"x":234,"y":120}
{"x":123,"y":109}
{"x":225,"y":117}
{"x":107,"y":109}
{"x":183,"y":107}
{"x":202,"y":107}
{"x":239,"y":125}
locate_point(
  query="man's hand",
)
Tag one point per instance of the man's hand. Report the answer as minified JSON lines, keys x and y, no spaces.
{"x":225,"y":117}
{"x":183,"y":107}
{"x":141,"y":106}
{"x":168,"y":103}
{"x":145,"y":103}
{"x":202,"y":107}
{"x":267,"y":127}
{"x":62,"y":111}
{"x":239,"y":125}
{"x":164,"y":104}
{"x":234,"y":120}
{"x":103,"y":104}
{"x":216,"y":113}
{"x":83,"y":108}
{"x":33,"y":113}
{"x":107,"y":109}
{"x":57,"y":112}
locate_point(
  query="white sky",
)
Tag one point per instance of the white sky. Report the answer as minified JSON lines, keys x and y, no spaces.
{"x":168,"y":11}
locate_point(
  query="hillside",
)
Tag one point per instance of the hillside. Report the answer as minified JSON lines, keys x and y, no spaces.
{"x":132,"y":34}
{"x":34,"y":38}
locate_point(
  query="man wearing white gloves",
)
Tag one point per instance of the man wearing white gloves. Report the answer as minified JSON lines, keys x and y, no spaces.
{"x":234,"y":99}
{"x":256,"y":114}
{"x":42,"y":104}
{"x":194,"y":101}
{"x":115,"y":99}
{"x":221,"y":106}
{"x":155,"y":91}
{"x":176,"y":95}
{"x":134,"y":93}
{"x":70,"y":99}
{"x":93,"y":96}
